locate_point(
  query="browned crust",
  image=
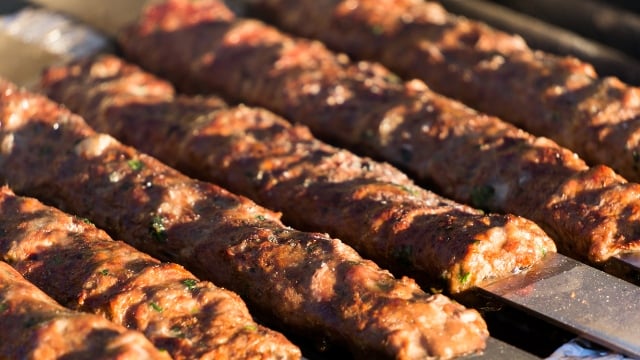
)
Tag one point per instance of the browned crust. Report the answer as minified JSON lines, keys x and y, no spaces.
{"x":313,"y":284}
{"x":471,"y":157}
{"x":371,"y":205}
{"x":558,"y":97}
{"x":84,"y":269}
{"x":36,"y":327}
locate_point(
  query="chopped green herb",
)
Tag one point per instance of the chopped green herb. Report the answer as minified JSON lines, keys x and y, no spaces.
{"x":368,"y":134}
{"x":157,"y":229}
{"x":251,"y":327}
{"x":156,"y":307}
{"x":3,"y":307}
{"x":409,"y":190}
{"x":393,"y":78}
{"x":104,"y":272}
{"x":385,"y":285}
{"x":543,"y":250}
{"x":31,"y":322}
{"x":311,"y":247}
{"x":377,"y":29}
{"x":190,"y":283}
{"x":260,"y":217}
{"x":57,"y":259}
{"x":463,"y":276}
{"x":135,"y":164}
{"x":177,"y":332}
{"x":481,"y":195}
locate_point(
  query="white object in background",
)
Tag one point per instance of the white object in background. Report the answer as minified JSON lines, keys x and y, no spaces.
{"x":54,"y":32}
{"x":579,"y":349}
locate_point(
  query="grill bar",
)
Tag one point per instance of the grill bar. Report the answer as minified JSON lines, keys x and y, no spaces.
{"x":592,"y":19}
{"x":547,"y":37}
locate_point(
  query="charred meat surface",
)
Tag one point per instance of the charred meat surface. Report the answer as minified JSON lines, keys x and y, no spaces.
{"x":84,"y":269}
{"x":37,"y":327}
{"x":309,"y":282}
{"x":558,"y":97}
{"x":592,"y":213}
{"x":371,"y":205}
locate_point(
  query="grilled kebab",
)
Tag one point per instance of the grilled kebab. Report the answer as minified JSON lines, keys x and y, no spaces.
{"x":558,"y":97}
{"x":313,"y":284}
{"x":34,"y":326}
{"x":592,"y":213}
{"x":370,"y":205}
{"x":81,"y":267}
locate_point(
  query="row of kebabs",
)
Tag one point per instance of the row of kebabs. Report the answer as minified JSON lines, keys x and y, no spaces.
{"x":305,"y":281}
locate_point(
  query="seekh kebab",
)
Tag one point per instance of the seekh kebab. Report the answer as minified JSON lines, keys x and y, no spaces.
{"x":81,"y":267}
{"x":34,"y":326}
{"x":592,"y":213}
{"x":312,"y":284}
{"x":558,"y":97}
{"x":370,"y":205}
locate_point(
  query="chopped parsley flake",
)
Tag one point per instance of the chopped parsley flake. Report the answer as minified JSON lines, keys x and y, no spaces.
{"x":393,"y":78}
{"x":481,"y":195}
{"x":104,"y":272}
{"x":57,"y":259}
{"x":135,"y":164}
{"x":177,"y":332}
{"x":3,"y":307}
{"x":190,"y":283}
{"x":409,"y":190}
{"x":157,"y":229}
{"x":260,"y":217}
{"x":156,"y":307}
{"x":377,"y":29}
{"x":543,"y":250}
{"x":385,"y":285}
{"x":463,"y":276}
{"x":251,"y":327}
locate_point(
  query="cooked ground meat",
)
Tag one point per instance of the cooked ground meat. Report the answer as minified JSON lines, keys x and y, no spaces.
{"x":313,"y":284}
{"x":558,"y":97}
{"x":470,"y":157}
{"x":84,"y":269}
{"x":34,"y":326}
{"x":371,"y":205}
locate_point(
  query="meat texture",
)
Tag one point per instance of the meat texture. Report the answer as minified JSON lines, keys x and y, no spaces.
{"x":84,"y":269}
{"x":372,"y":206}
{"x":313,"y":284}
{"x":558,"y":97}
{"x":592,"y":213}
{"x":34,"y":326}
